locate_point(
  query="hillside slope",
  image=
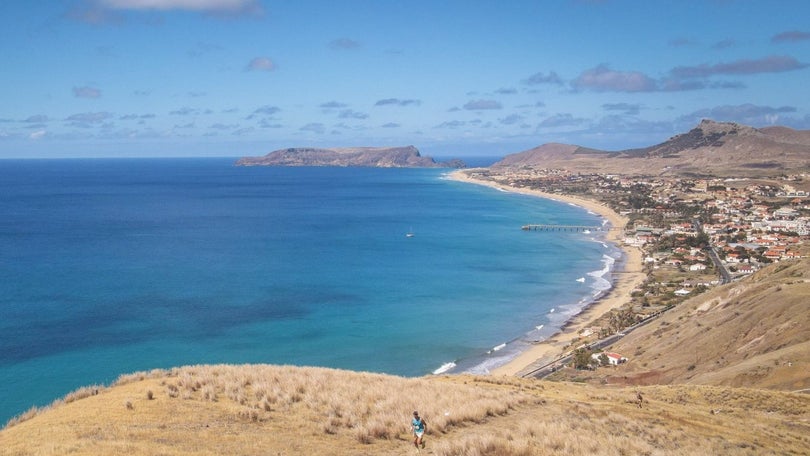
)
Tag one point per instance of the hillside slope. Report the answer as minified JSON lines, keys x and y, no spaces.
{"x":261,"y":410}
{"x":711,"y":148}
{"x":754,"y":333}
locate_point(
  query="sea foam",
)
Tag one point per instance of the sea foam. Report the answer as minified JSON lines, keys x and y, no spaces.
{"x":444,"y":368}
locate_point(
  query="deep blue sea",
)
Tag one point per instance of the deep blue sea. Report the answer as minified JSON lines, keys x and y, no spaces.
{"x":112,"y":266}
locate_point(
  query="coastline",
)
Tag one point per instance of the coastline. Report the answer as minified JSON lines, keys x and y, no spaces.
{"x":627,"y":275}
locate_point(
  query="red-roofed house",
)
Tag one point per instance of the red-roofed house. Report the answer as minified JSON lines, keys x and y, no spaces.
{"x":615,"y":359}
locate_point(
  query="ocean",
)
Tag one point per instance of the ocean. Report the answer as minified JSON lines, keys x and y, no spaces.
{"x":110,"y":266}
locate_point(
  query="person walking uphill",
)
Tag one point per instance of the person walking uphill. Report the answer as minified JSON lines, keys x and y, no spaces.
{"x":419,"y":427}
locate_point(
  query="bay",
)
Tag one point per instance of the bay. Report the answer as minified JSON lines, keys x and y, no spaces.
{"x":112,"y":266}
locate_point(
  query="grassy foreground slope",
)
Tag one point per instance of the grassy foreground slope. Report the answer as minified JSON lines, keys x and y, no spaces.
{"x":279,"y":410}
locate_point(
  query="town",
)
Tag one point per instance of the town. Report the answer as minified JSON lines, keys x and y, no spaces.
{"x":693,"y":233}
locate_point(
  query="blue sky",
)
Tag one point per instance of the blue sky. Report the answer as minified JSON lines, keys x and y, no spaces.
{"x":123,"y":78}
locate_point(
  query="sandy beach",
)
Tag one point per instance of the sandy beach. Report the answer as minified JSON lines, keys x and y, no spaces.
{"x":626,"y":277}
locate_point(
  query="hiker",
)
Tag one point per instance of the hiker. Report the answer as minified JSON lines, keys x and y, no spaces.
{"x":419,"y":427}
{"x":639,"y":399}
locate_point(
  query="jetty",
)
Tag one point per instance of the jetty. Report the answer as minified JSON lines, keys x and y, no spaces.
{"x":563,"y":228}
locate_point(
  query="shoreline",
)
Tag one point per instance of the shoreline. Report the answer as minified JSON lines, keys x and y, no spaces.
{"x":625,"y":277}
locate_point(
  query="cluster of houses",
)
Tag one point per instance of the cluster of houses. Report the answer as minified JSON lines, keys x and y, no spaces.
{"x":749,"y":223}
{"x":743,"y":232}
{"x":744,"y":222}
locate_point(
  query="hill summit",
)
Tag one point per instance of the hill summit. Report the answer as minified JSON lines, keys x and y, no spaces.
{"x":710,"y":149}
{"x":378,"y":157}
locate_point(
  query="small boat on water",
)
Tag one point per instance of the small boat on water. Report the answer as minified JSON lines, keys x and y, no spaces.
{"x":409,"y":233}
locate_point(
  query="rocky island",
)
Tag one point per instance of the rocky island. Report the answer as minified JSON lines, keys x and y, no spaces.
{"x":377,"y":157}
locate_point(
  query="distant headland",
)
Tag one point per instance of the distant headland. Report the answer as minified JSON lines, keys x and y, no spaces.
{"x":375,"y":157}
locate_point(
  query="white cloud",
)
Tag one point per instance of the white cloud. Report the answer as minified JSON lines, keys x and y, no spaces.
{"x":748,"y":114}
{"x":344,"y":43}
{"x":333,"y":105}
{"x":351,"y":114}
{"x":543,"y":78}
{"x":626,"y":108}
{"x":185,"y":111}
{"x":243,"y":131}
{"x":451,"y":124}
{"x":603,"y":79}
{"x":791,"y":37}
{"x":101,"y":12}
{"x":769,"y":64}
{"x":261,"y":64}
{"x":86,"y":92}
{"x":265,"y":110}
{"x":37,"y":118}
{"x":190,"y":5}
{"x":397,"y":102}
{"x":39,"y":134}
{"x":315,"y":127}
{"x":511,"y":119}
{"x":477,"y":105}
{"x":561,"y":120}
{"x":89,"y":117}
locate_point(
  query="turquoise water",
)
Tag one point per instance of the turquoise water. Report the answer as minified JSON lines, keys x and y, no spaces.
{"x":114,"y":266}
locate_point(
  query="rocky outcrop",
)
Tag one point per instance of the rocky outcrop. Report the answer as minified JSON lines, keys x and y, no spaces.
{"x":376,"y":157}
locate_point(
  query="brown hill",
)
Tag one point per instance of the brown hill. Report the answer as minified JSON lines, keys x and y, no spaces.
{"x":380,"y":157}
{"x":278,"y":410}
{"x":754,"y":333}
{"x":711,"y":148}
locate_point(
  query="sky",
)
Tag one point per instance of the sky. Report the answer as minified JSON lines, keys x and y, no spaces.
{"x":181,"y":78}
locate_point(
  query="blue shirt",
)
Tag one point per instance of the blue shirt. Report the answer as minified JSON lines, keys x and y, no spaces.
{"x":418,"y":425}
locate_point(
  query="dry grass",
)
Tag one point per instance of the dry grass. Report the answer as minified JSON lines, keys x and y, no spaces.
{"x":754,"y":333}
{"x":278,"y":410}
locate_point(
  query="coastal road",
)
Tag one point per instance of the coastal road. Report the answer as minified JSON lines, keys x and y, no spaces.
{"x":548,"y":369}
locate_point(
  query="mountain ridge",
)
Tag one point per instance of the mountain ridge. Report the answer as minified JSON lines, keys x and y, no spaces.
{"x":709,"y":149}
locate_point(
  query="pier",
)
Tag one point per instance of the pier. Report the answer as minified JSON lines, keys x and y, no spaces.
{"x":561,"y":228}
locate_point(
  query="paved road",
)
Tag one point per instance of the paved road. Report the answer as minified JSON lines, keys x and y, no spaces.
{"x":544,"y":371}
{"x":725,"y":276}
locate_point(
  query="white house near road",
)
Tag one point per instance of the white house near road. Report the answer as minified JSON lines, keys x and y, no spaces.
{"x":614,"y":359}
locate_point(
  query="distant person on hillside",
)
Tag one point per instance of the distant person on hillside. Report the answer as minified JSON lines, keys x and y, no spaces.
{"x":419,"y":427}
{"x":639,"y":399}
